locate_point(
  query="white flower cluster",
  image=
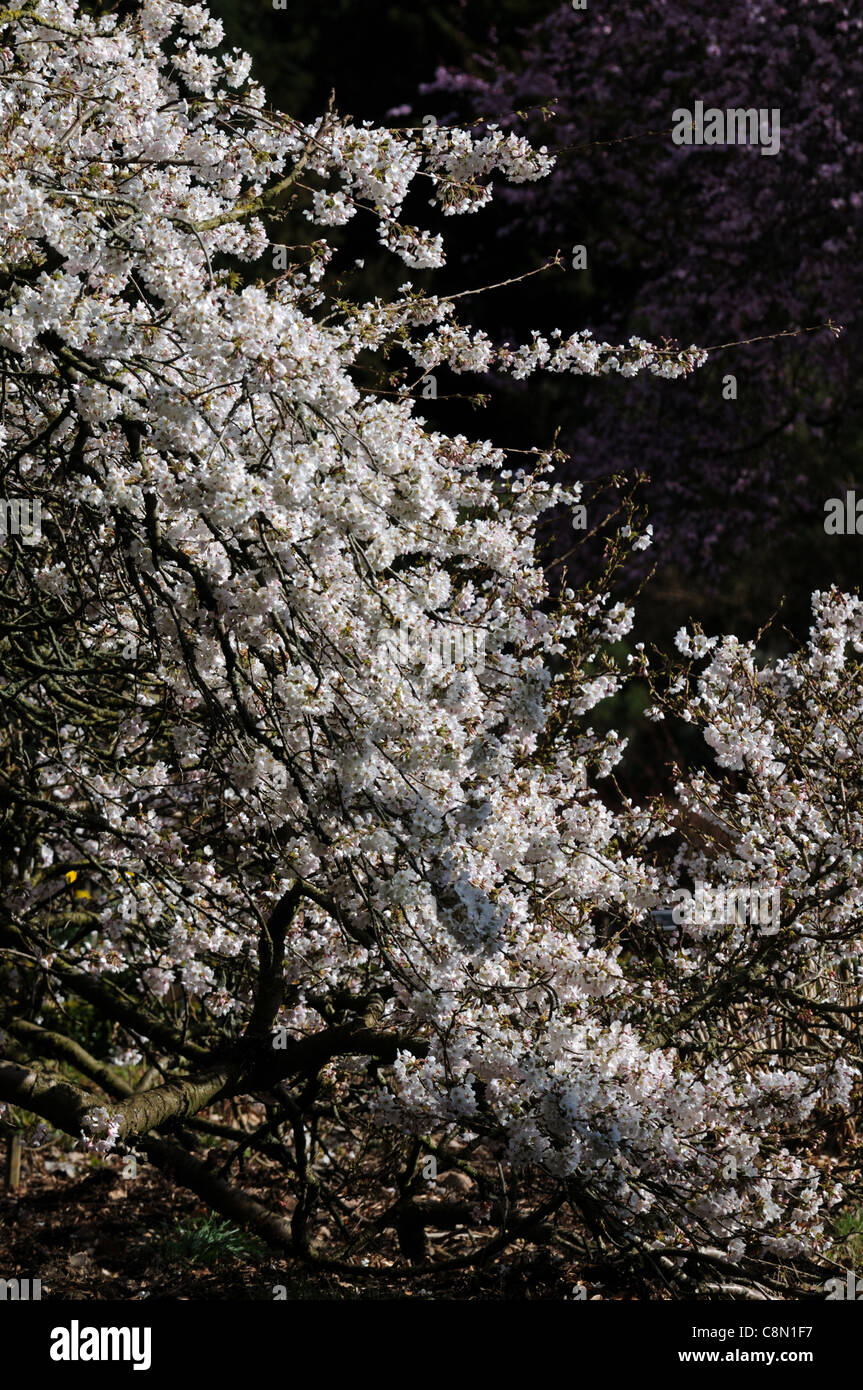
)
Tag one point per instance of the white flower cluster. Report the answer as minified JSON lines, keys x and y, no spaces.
{"x":581,"y":356}
{"x":100,"y":1130}
{"x":460,"y":163}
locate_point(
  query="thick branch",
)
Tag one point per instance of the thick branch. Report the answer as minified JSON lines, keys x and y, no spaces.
{"x":271,"y":955}
{"x":66,"y":1106}
{"x":60,"y":1102}
{"x":50,"y":1044}
{"x":221,"y":1196}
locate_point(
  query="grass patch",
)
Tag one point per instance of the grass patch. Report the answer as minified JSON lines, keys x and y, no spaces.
{"x":208,"y":1240}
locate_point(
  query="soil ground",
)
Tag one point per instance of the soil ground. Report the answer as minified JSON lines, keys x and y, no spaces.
{"x":87,"y":1233}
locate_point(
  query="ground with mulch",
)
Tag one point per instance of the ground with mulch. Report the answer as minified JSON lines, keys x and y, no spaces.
{"x":89,"y":1233}
{"x":87,"y":1228}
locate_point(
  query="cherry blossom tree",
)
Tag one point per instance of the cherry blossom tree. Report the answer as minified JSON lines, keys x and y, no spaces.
{"x":268,"y":851}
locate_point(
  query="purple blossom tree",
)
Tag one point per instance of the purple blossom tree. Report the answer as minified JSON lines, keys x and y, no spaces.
{"x":713,"y":243}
